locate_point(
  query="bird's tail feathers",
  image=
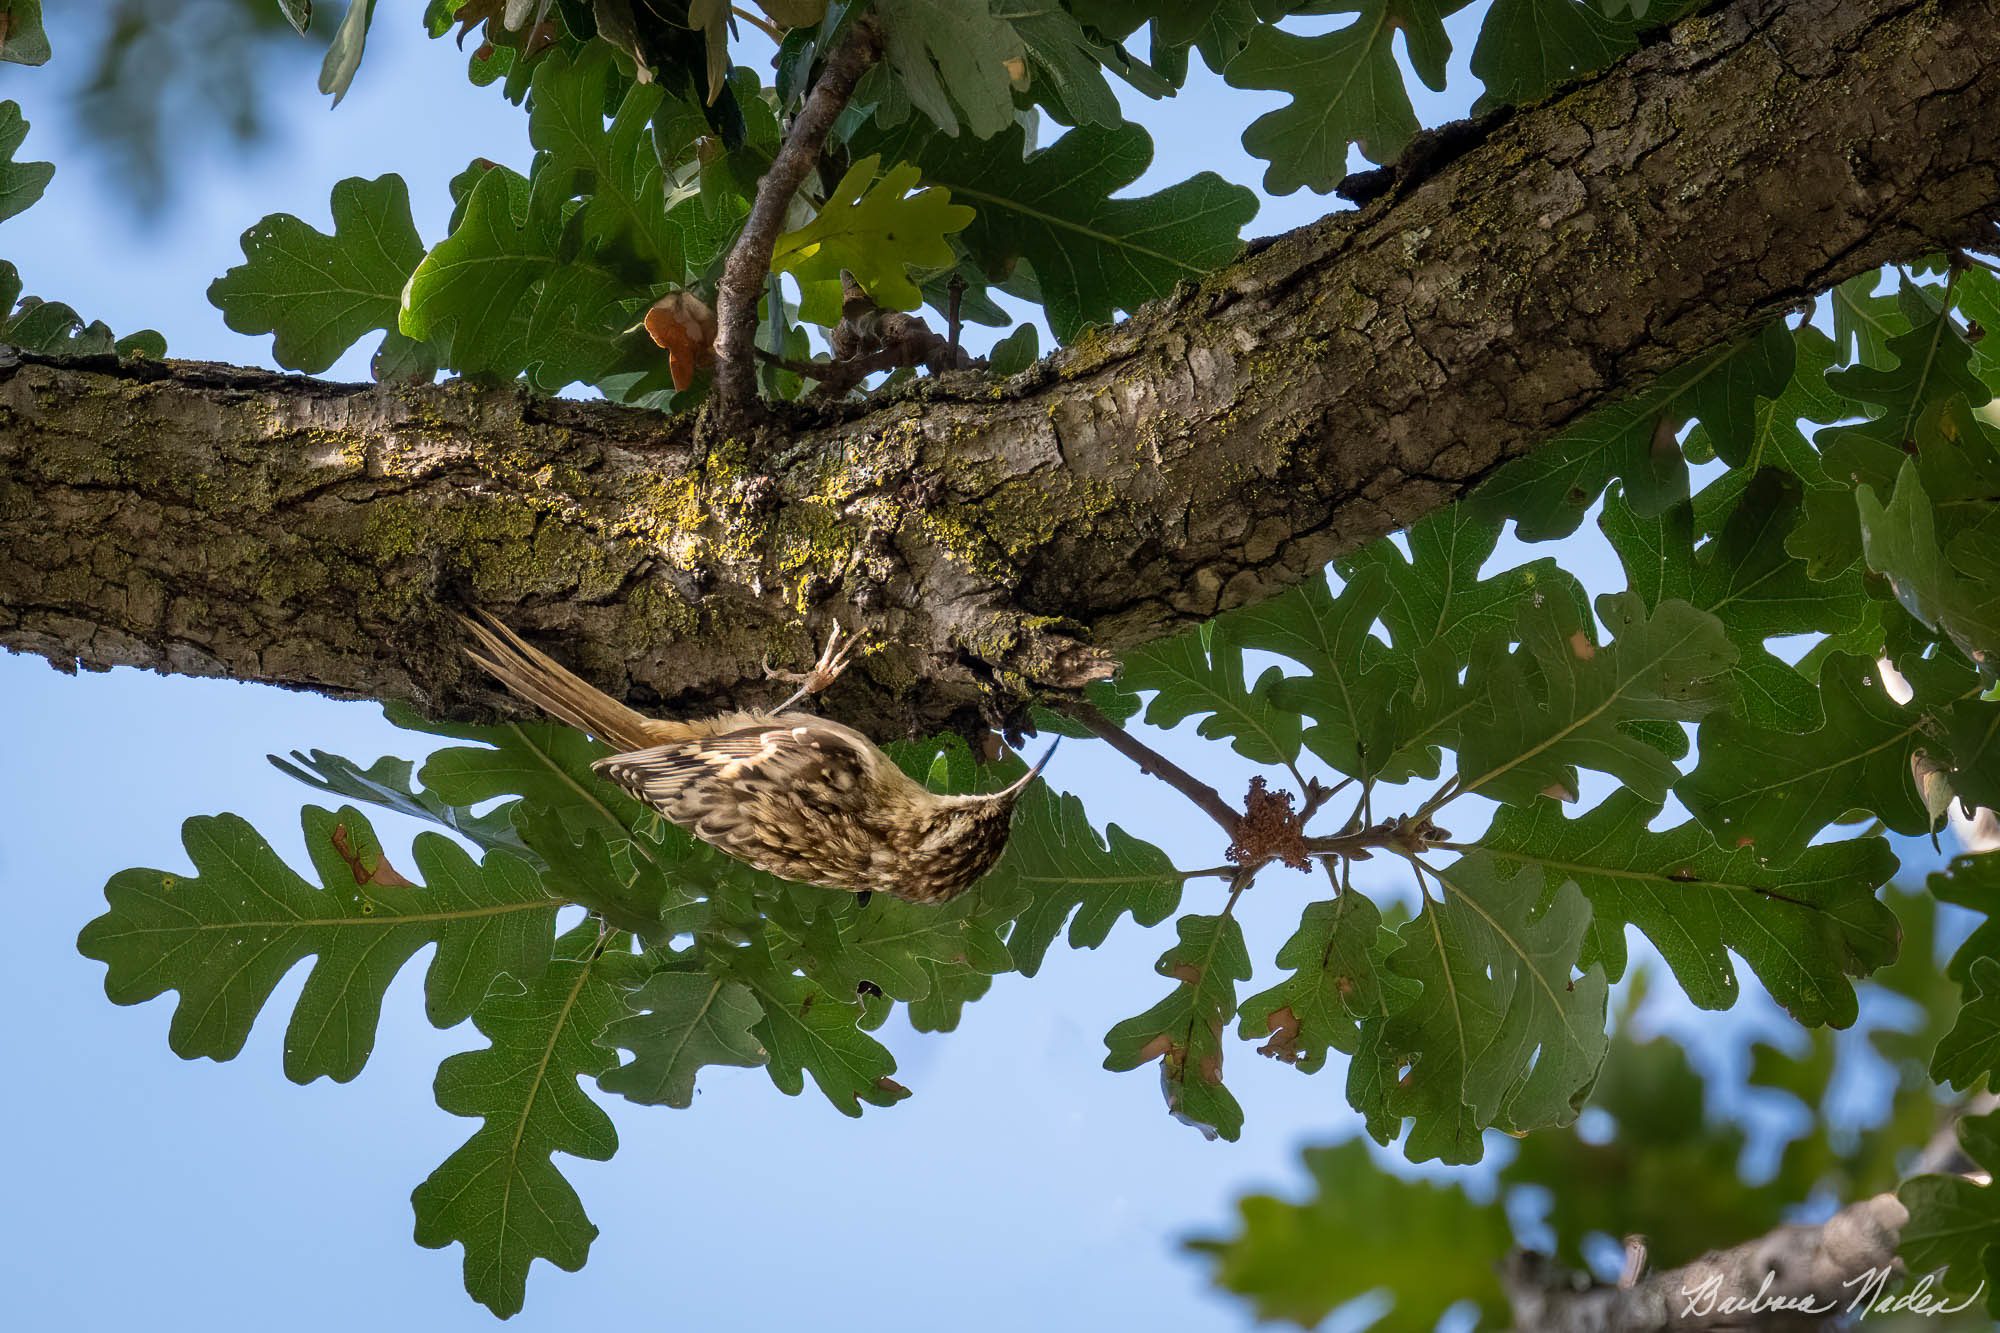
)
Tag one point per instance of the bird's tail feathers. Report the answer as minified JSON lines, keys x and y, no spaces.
{"x":548,"y":685}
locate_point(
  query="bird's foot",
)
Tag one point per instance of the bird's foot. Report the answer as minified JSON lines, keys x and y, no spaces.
{"x":833,"y":660}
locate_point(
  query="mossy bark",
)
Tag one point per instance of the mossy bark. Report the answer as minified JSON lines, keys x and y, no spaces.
{"x":1333,"y":385}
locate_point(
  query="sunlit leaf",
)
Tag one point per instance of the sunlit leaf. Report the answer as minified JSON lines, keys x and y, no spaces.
{"x":225,"y":936}
{"x":320,"y":294}
{"x":500,"y":1193}
{"x":1805,"y":929}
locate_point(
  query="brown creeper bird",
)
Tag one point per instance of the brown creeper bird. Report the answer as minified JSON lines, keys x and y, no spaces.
{"x":801,"y":797}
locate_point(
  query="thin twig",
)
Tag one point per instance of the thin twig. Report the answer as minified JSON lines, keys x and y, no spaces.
{"x":1152,"y":762}
{"x":1239,"y":882}
{"x":1440,"y":798}
{"x":735,"y":391}
{"x":952,"y":322}
{"x":759,"y":22}
{"x":1317,"y":794}
{"x":1966,"y":256}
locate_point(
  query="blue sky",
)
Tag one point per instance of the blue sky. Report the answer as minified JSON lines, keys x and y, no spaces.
{"x":1022,"y":1182}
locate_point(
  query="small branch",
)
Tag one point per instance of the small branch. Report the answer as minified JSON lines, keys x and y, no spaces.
{"x":868,"y":339}
{"x":759,"y":22}
{"x":1821,"y":1274}
{"x":1440,"y":798}
{"x":1317,"y":795}
{"x":952,"y":322}
{"x":1238,"y":882}
{"x":1151,"y":761}
{"x":1406,"y":835}
{"x":735,"y":391}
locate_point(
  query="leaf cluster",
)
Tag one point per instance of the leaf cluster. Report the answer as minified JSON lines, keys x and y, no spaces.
{"x":689,"y":959}
{"x":650,"y":147}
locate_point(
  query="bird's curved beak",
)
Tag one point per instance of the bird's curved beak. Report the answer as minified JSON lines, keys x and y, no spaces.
{"x":1021,"y":784}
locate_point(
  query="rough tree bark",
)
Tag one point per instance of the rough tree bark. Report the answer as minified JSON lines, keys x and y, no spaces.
{"x":1334,"y":384}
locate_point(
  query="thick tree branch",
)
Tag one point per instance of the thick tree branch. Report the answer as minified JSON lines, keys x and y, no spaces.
{"x":1333,"y":385}
{"x":743,"y":273}
{"x":1792,"y":1279}
{"x":1815,"y":1272}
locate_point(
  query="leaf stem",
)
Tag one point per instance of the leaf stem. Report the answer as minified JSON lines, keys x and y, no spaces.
{"x":759,"y":22}
{"x":1238,"y":882}
{"x":734,"y":396}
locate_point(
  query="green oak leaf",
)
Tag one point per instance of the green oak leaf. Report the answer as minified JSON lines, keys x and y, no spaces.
{"x":1439,"y":595}
{"x":1014,"y":353}
{"x":1864,"y":321}
{"x":1746,"y":579}
{"x":1775,"y":790}
{"x":543,"y":762}
{"x":1732,"y":401}
{"x":804,"y":1031}
{"x":623,"y":879}
{"x":500,"y":1193}
{"x":21,"y":183}
{"x":1933,"y":363}
{"x":1970,"y":1052}
{"x":1562,"y":702}
{"x":225,"y":936}
{"x":1548,"y":492}
{"x":343,"y":53}
{"x":680,"y":1022}
{"x":1184,"y":1030}
{"x":391,"y":783}
{"x":1350,"y":680}
{"x":1775,"y":438}
{"x":1066,"y":66}
{"x":611,"y":853}
{"x":875,"y":229}
{"x":1346,"y":89}
{"x":1092,"y":255}
{"x":1805,"y":930}
{"x":502,"y":294}
{"x":1301,"y":1261}
{"x":1528,"y":47}
{"x":1962,"y":746}
{"x":321,"y":294}
{"x":1338,"y":978}
{"x":1200,"y":673}
{"x":614,"y":169}
{"x":1954,"y":1226}
{"x":888,"y":943}
{"x":1971,"y":882}
{"x":951,"y":59}
{"x":952,"y":987}
{"x":22,"y":38}
{"x":52,"y":327}
{"x":1064,"y":866}
{"x":1440,"y":610}
{"x":1901,"y":540}
{"x":1501,"y":1034}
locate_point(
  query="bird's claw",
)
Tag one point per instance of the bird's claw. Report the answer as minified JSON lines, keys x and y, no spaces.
{"x":833,"y":660}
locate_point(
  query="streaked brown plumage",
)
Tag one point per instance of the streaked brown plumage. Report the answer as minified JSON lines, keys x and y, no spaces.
{"x":799,"y":796}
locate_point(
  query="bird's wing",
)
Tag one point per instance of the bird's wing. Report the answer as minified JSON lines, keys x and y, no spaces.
{"x":813,"y":762}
